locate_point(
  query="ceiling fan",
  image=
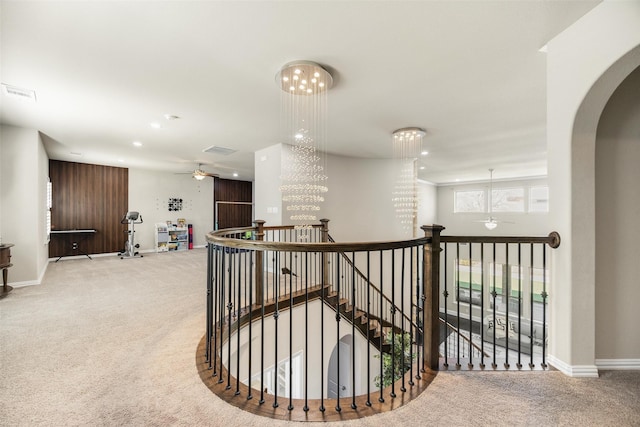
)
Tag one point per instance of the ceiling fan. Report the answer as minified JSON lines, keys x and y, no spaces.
{"x":492,"y":222}
{"x":199,"y":174}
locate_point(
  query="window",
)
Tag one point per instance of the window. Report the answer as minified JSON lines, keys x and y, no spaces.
{"x":468,"y":278}
{"x":503,"y":200}
{"x":505,"y":284}
{"x":469,"y":201}
{"x":539,"y":199}
{"x":539,"y":282}
{"x":507,"y":200}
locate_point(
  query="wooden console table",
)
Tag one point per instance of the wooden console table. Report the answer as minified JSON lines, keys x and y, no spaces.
{"x":5,"y":263}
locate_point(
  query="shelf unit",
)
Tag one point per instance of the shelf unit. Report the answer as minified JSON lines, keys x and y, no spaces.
{"x":171,"y":238}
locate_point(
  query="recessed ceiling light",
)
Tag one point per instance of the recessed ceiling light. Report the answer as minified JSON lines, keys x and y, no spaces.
{"x":421,"y":168}
{"x":137,"y":143}
{"x":155,"y":125}
{"x":121,"y":160}
{"x":424,"y":153}
{"x":235,"y":174}
{"x":171,"y":117}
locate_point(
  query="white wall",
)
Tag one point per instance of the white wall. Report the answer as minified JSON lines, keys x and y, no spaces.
{"x":463,"y":224}
{"x":268,"y":199}
{"x":23,"y":202}
{"x":359,"y":202}
{"x":331,"y":337}
{"x":617,"y":225}
{"x":149,"y":192}
{"x":585,"y":64}
{"x":427,"y":205}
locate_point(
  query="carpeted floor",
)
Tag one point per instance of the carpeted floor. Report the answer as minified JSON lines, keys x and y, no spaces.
{"x":110,"y":342}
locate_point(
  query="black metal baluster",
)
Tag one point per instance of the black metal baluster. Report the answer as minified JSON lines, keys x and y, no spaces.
{"x":290,"y":407}
{"x":494,"y":294}
{"x":393,"y":323}
{"x":276,"y":315}
{"x":368,"y":403}
{"x":544,"y":306}
{"x":381,"y":398}
{"x":423,"y":299}
{"x":251,"y":269}
{"x":413,"y":333}
{"x":215,"y":301}
{"x":531,"y":364}
{"x":223,"y":276}
{"x":482,"y":305}
{"x":470,"y":365}
{"x":238,"y":325}
{"x":337,"y":262}
{"x":353,"y":332}
{"x":458,"y":305}
{"x":230,"y":310}
{"x":207,"y":349}
{"x":265,"y":287}
{"x":446,"y":310}
{"x":519,"y":364}
{"x":506,"y":291}
{"x":402,"y":329}
{"x":306,"y":332}
{"x":323,"y":259}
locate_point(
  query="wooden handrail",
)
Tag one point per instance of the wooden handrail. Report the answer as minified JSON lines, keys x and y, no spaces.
{"x":375,"y":289}
{"x":216,"y":237}
{"x":553,"y":239}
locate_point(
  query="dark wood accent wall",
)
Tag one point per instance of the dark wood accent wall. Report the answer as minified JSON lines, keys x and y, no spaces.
{"x":229,"y":215}
{"x":88,"y":196}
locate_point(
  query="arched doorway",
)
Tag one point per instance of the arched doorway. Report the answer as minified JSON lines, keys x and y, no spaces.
{"x":586,"y":64}
{"x":339,"y":371}
{"x":617,"y":226}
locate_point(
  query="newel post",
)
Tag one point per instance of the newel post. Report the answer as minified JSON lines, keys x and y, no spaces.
{"x":431,"y":296}
{"x":259,"y":233}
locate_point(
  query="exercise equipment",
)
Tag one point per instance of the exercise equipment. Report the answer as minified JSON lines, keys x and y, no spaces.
{"x":131,"y":218}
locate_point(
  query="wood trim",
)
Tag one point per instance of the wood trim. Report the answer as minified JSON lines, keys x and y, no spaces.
{"x":232,"y":215}
{"x":218,"y":385}
{"x":87,"y":196}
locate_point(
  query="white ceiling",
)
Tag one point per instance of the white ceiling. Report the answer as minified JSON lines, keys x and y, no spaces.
{"x":470,"y":73}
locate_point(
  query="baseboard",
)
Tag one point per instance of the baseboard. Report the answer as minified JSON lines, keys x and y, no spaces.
{"x":576,"y":371}
{"x":618,"y":364}
{"x":38,"y":281}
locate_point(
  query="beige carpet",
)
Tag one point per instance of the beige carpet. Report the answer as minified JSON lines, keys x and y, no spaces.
{"x":109,"y":342}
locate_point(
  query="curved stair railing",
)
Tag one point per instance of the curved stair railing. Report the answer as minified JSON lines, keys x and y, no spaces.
{"x":272,"y":347}
{"x":257,"y":274}
{"x":459,"y":343}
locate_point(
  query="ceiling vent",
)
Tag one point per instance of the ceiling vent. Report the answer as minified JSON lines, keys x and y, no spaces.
{"x":214,"y":149}
{"x":16,"y":92}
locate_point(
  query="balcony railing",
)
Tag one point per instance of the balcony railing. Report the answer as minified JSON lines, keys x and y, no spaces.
{"x":301,"y":327}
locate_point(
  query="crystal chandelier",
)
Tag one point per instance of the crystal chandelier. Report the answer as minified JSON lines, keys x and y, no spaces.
{"x":304,"y":87}
{"x":407,"y":144}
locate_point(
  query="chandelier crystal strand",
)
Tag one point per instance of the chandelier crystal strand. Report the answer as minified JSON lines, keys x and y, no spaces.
{"x":407,"y":144}
{"x":304,"y":87}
